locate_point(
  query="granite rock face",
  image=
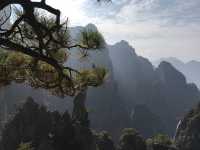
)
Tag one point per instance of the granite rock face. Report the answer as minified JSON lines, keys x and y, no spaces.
{"x":163,"y":90}
{"x":188,"y":131}
{"x":132,"y":81}
{"x":189,"y":69}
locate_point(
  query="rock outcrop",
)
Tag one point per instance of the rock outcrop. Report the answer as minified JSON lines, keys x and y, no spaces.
{"x":132,"y":81}
{"x":188,"y":131}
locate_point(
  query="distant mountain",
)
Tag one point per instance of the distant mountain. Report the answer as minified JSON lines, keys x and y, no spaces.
{"x":131,"y":70}
{"x":190,"y":69}
{"x":163,"y":90}
{"x":106,"y":109}
{"x":134,"y":89}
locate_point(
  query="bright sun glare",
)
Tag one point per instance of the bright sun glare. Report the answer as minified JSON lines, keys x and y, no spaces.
{"x":71,"y":9}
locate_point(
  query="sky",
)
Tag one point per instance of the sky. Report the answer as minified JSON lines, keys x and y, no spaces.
{"x":155,"y":28}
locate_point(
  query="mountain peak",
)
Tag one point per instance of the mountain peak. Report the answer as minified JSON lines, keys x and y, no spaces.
{"x":173,"y":60}
{"x":124,"y":45}
{"x":165,"y":64}
{"x":194,"y":62}
{"x":123,"y":42}
{"x":170,"y":75}
{"x":91,"y":27}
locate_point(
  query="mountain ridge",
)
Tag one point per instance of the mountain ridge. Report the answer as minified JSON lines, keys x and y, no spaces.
{"x":133,"y":81}
{"x":189,"y":69}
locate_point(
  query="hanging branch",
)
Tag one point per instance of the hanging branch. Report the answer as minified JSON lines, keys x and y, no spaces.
{"x":41,"y":38}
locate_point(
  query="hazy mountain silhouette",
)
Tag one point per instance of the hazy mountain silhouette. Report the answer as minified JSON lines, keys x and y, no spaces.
{"x":163,"y":90}
{"x":132,"y":81}
{"x":190,"y":69}
{"x":106,"y":109}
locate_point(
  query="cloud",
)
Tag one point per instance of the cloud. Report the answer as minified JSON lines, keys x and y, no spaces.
{"x":156,"y":28}
{"x":171,"y":11}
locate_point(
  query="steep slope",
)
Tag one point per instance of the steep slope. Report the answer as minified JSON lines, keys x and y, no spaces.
{"x":132,"y":81}
{"x":188,"y":131}
{"x":176,"y":88}
{"x":163,"y":90}
{"x":141,"y":116}
{"x":104,"y":104}
{"x":107,"y":110}
{"x":178,"y":96}
{"x":133,"y":73}
{"x":189,"y":69}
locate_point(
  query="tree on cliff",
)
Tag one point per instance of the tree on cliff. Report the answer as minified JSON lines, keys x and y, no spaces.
{"x":41,"y":45}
